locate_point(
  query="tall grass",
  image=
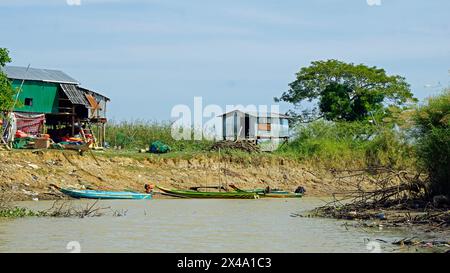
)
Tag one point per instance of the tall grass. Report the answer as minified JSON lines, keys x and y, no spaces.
{"x":140,"y":134}
{"x":349,"y":144}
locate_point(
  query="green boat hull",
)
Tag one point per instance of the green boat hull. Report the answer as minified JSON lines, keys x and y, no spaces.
{"x":261,"y":191}
{"x":272,"y":194}
{"x":209,"y":195}
{"x":281,"y":195}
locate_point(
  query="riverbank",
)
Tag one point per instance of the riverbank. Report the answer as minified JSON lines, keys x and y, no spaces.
{"x":27,"y":174}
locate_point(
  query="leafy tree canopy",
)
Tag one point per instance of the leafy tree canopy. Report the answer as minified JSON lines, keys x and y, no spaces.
{"x":6,"y":91}
{"x":436,"y":114}
{"x":4,"y":56}
{"x":347,"y":92}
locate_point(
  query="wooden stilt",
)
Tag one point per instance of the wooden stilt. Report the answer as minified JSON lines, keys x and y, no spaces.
{"x":73,"y":121}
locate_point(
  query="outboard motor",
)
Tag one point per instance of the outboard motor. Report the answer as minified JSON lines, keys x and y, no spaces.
{"x":300,"y":189}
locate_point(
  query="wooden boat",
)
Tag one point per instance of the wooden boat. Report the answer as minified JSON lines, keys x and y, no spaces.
{"x":80,"y":147}
{"x":272,"y":194}
{"x":91,"y":194}
{"x":281,"y":195}
{"x":209,"y":195}
{"x":76,"y":147}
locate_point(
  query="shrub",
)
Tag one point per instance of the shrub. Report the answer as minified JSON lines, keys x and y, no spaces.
{"x":433,"y":141}
{"x":344,"y":144}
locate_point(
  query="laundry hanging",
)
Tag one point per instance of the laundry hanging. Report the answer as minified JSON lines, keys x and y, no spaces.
{"x":29,"y":123}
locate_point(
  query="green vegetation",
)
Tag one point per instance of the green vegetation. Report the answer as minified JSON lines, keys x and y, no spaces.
{"x":140,"y":134}
{"x":433,"y":145}
{"x":346,"y":92}
{"x":349,"y":144}
{"x":16,"y":212}
{"x":7,"y":210}
{"x":6,"y":91}
{"x":421,"y":143}
{"x":58,"y":209}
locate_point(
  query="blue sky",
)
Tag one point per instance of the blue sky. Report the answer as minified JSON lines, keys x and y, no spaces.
{"x":148,"y":56}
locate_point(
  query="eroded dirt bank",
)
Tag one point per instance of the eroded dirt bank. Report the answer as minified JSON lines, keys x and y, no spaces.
{"x":27,"y":175}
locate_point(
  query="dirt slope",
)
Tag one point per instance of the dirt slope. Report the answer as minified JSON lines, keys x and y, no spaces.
{"x":25,"y":175}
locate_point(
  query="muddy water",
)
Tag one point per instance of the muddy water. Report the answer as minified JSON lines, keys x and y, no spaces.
{"x":187,"y":225}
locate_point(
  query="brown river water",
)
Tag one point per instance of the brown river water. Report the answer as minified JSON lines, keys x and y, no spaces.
{"x":192,"y":225}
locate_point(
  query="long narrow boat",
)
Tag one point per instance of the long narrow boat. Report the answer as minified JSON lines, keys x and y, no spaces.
{"x":281,"y":195}
{"x":271,"y":194}
{"x":91,"y":194}
{"x":210,"y":195}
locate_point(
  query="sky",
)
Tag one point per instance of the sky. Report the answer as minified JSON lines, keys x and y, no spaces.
{"x":149,"y":56}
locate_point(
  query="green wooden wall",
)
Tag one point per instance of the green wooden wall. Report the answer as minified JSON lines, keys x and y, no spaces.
{"x":44,"y":96}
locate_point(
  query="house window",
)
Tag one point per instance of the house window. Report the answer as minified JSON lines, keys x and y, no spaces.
{"x":264,"y":124}
{"x":264,"y":127}
{"x":28,"y":102}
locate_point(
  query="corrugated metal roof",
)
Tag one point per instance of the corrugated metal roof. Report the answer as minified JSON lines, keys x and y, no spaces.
{"x":93,"y":92}
{"x":75,"y":95}
{"x":36,"y":74}
{"x":256,"y":114}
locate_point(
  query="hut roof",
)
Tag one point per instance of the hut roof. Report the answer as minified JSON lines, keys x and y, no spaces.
{"x":256,"y":114}
{"x":38,"y":74}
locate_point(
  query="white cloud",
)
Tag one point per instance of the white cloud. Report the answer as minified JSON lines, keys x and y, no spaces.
{"x":73,"y":2}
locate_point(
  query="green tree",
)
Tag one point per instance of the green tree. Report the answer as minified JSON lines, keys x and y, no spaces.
{"x":6,"y":91}
{"x":433,"y":145}
{"x":347,"y":92}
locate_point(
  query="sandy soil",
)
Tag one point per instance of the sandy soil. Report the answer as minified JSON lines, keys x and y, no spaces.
{"x":27,"y":175}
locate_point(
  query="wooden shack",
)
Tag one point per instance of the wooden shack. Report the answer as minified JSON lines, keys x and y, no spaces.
{"x":68,"y":108}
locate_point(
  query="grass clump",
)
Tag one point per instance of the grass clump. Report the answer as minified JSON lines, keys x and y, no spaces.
{"x":140,"y":134}
{"x":58,"y":209}
{"x":17,"y":212}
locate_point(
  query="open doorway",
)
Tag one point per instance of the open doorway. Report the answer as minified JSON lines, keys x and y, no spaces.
{"x":247,"y":126}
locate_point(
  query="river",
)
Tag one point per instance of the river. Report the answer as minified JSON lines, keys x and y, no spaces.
{"x":191,"y":225}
